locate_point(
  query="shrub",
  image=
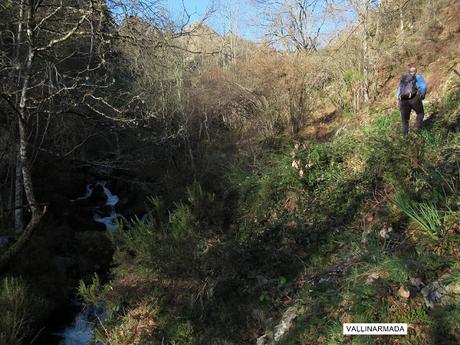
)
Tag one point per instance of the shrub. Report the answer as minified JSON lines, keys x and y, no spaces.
{"x":20,"y":308}
{"x":171,"y":242}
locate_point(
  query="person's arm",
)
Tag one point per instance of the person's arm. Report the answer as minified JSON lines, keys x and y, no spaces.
{"x":398,"y":92}
{"x":421,"y":85}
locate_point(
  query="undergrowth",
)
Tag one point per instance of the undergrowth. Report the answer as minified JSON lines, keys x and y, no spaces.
{"x":390,"y":202}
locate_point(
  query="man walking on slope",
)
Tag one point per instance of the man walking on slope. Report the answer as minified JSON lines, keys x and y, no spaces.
{"x":411,"y":91}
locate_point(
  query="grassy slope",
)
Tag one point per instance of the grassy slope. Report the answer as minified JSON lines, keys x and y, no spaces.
{"x":189,"y":278}
{"x":423,"y":169}
{"x":221,"y":269}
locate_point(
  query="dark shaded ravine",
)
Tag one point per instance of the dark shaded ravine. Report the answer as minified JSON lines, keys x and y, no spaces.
{"x":73,"y":323}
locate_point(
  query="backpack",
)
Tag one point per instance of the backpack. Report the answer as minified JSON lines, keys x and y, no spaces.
{"x":407,"y":86}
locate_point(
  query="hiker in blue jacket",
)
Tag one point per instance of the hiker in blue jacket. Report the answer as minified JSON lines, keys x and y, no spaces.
{"x":411,"y":91}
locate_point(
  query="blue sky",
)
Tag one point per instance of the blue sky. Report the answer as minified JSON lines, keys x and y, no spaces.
{"x":198,"y":8}
{"x":247,"y":12}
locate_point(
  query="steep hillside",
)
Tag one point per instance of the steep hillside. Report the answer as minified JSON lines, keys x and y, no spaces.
{"x":201,"y":189}
{"x":332,"y":226}
{"x":362,"y":228}
{"x":434,"y":48}
{"x":432,"y":45}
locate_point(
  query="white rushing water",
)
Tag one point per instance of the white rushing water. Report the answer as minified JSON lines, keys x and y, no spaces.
{"x":109,"y":220}
{"x":112,"y":201}
{"x":81,"y":332}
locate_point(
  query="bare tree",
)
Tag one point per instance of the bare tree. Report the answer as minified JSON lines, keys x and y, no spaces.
{"x":295,"y":24}
{"x":362,"y":10}
{"x":62,"y":58}
{"x":52,"y":67}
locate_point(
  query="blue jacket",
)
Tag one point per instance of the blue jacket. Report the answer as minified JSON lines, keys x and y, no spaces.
{"x":420,"y":83}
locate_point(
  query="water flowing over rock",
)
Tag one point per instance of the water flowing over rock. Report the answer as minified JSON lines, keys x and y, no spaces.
{"x":102,"y":202}
{"x":81,"y":332}
{"x":105,"y":212}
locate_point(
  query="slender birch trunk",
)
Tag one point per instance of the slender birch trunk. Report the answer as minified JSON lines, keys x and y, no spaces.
{"x":18,"y":195}
{"x":23,"y":121}
{"x":18,"y":198}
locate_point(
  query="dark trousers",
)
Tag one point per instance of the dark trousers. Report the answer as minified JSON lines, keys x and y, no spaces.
{"x":406,"y":106}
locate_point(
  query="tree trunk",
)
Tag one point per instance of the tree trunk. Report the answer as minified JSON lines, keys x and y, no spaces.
{"x":401,"y":26}
{"x":366,"y":56}
{"x":18,"y":199}
{"x":24,"y":162}
{"x":18,"y":195}
{"x":14,"y":250}
{"x":37,"y":214}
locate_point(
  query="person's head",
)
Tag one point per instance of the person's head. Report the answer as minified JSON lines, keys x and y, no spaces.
{"x":413,"y":71}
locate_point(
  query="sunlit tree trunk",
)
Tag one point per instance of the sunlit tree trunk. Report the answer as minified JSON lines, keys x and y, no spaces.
{"x":362,"y":10}
{"x":366,"y":60}
{"x":401,"y":25}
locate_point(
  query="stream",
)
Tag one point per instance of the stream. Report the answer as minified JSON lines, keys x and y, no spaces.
{"x":80,"y":329}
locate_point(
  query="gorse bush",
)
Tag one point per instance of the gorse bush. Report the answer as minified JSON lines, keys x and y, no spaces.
{"x":172,"y":241}
{"x":262,"y":193}
{"x":182,"y":334}
{"x":167,"y":245}
{"x":90,"y":292}
{"x":19,"y":309}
